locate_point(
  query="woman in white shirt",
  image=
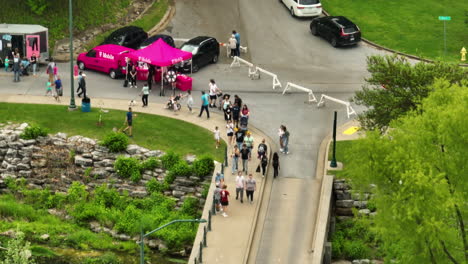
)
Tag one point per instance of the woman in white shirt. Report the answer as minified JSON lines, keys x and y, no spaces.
{"x":230,"y":131}
{"x":214,"y":90}
{"x":233,"y":45}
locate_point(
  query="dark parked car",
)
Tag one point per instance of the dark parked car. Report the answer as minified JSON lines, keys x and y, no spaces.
{"x":337,"y":29}
{"x":130,"y":37}
{"x":168,"y":39}
{"x":204,"y":49}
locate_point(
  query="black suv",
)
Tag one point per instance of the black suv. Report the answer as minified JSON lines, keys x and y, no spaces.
{"x":204,"y":49}
{"x":168,"y":39}
{"x":130,"y":37}
{"x":337,"y":29}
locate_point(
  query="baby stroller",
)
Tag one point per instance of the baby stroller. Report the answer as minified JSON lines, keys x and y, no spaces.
{"x":244,"y":122}
{"x":173,"y":103}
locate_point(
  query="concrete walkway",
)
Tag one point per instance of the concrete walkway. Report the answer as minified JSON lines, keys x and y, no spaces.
{"x":230,"y":239}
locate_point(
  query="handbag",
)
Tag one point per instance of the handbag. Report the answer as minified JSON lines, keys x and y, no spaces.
{"x":258,"y":168}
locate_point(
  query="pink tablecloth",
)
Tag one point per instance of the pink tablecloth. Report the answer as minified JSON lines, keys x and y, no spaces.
{"x":184,"y":82}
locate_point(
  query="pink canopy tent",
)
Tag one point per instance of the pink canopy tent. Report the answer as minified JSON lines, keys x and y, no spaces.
{"x":159,"y":53}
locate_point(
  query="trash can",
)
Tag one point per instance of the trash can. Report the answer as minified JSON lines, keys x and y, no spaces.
{"x":85,"y":105}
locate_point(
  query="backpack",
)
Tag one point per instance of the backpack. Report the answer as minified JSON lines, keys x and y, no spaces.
{"x":261,"y":148}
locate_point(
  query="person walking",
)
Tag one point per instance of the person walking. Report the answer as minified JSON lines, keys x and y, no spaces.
{"x":233,"y":45}
{"x":217,"y":197}
{"x":237,"y":36}
{"x":129,"y":122}
{"x":230,"y":131}
{"x":264,"y":163}
{"x":33,"y":61}
{"x":205,"y":103}
{"x":276,"y":165}
{"x":58,"y":89}
{"x":239,"y":133}
{"x":133,"y":77}
{"x":48,"y":88}
{"x":7,"y":63}
{"x":244,"y":116}
{"x":250,"y":187}
{"x":240,"y":184}
{"x":262,"y":149}
{"x":151,"y":72}
{"x":235,"y":114}
{"x":284,"y":139}
{"x":128,"y":68}
{"x":55,"y":71}
{"x":50,"y":69}
{"x":217,"y":137}
{"x":16,"y":69}
{"x":224,"y":199}
{"x":214,"y":90}
{"x":249,"y":142}
{"x":144,"y":95}
{"x":82,"y":86}
{"x":245,"y":155}
{"x":190,"y":101}
{"x":235,"y":159}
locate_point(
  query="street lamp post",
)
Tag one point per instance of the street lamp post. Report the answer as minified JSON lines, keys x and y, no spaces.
{"x":72,"y":105}
{"x":142,"y":236}
{"x":333,"y":161}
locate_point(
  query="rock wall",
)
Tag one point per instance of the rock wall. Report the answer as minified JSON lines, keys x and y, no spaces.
{"x":55,"y":161}
{"x":346,"y":200}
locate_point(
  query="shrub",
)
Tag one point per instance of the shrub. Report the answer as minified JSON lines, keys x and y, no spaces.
{"x":136,"y":176}
{"x":10,"y":208}
{"x":355,"y":249}
{"x":371,"y":205}
{"x":149,"y":164}
{"x":181,"y":168}
{"x":107,"y":197}
{"x":33,"y":132}
{"x":170,"y":159}
{"x":115,"y":142}
{"x":170,"y":177}
{"x":127,"y":167}
{"x":190,"y":206}
{"x":154,"y":185}
{"x":129,"y":223}
{"x":206,"y":189}
{"x":84,"y":212}
{"x":77,"y":192}
{"x":203,"y":166}
{"x":107,"y":258}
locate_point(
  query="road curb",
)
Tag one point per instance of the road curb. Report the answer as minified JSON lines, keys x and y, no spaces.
{"x":380,"y":47}
{"x":170,"y":12}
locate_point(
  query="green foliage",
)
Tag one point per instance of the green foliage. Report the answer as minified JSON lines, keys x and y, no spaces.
{"x":203,"y":166}
{"x":17,"y":211}
{"x":77,"y":192}
{"x":353,"y":239}
{"x":108,"y":197}
{"x":84,"y":212}
{"x":355,"y":249}
{"x":127,"y":167}
{"x":33,"y":132}
{"x":181,"y":168}
{"x":71,"y":155}
{"x":371,"y":205}
{"x":420,"y":169}
{"x":154,"y":185}
{"x":115,"y":142}
{"x":107,"y":258}
{"x":405,"y":86}
{"x":18,"y":251}
{"x":190,"y":206}
{"x":170,"y":159}
{"x":38,"y":251}
{"x":15,"y":185}
{"x":206,"y":189}
{"x":129,"y":222}
{"x":150,"y":164}
{"x":170,"y":177}
{"x":37,"y":6}
{"x":44,"y":199}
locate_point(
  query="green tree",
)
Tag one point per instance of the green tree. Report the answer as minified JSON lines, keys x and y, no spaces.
{"x":397,"y":86}
{"x":420,"y":169}
{"x":18,"y":251}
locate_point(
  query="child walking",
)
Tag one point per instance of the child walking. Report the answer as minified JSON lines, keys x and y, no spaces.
{"x":217,"y":136}
{"x":7,"y":63}
{"x":48,"y":88}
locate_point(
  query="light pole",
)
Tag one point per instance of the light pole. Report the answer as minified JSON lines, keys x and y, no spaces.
{"x":333,"y":161}
{"x":142,"y":236}
{"x":72,"y":105}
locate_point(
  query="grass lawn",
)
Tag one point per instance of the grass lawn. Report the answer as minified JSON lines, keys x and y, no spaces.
{"x":150,"y":131}
{"x":147,"y":21}
{"x":409,"y":26}
{"x":343,"y":153}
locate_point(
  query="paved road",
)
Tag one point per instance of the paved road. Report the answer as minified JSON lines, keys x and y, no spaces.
{"x":282,"y":45}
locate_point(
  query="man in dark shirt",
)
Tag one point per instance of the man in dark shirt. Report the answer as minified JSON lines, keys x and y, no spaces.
{"x":239,"y":134}
{"x":82,"y":86}
{"x":235,"y":114}
{"x":245,"y":155}
{"x":129,"y":122}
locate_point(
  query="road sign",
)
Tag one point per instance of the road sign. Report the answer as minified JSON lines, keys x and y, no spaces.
{"x":446,"y":18}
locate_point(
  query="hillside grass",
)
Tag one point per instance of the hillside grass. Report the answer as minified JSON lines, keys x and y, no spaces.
{"x":411,"y":27}
{"x":149,"y":131}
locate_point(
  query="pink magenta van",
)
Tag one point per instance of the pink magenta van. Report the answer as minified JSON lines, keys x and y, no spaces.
{"x":107,"y":58}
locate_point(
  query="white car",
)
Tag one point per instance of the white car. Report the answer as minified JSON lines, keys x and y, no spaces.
{"x":303,"y":8}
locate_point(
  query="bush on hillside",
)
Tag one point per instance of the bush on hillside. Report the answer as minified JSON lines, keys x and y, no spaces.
{"x":115,"y":142}
{"x":203,"y":166}
{"x":33,"y":132}
{"x":170,"y":159}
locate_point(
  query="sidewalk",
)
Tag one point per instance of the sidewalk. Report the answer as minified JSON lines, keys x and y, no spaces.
{"x":230,"y":238}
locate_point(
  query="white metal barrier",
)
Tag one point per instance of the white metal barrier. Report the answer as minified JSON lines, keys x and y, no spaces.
{"x":349,"y":108}
{"x":256,"y":75}
{"x":309,"y":91}
{"x":228,"y":49}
